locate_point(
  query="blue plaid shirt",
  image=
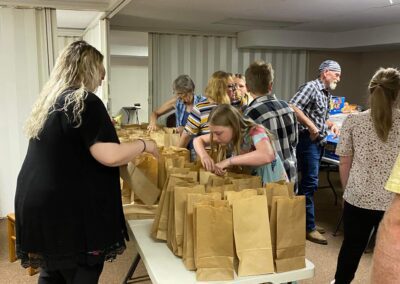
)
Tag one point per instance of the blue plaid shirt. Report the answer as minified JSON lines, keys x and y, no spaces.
{"x":313,"y":99}
{"x":180,"y":108}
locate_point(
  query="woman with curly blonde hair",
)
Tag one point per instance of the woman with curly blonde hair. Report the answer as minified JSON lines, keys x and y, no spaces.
{"x":68,"y":209}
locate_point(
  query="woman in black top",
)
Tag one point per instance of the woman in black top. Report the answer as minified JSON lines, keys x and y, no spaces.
{"x":68,"y":208}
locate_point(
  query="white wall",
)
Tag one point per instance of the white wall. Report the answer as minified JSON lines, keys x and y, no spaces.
{"x":129,"y":84}
{"x":96,"y":34}
{"x":129,"y":79}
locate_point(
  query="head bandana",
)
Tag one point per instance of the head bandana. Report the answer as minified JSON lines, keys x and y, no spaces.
{"x":330,"y":65}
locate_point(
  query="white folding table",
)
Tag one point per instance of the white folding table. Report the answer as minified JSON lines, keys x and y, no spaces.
{"x":164,"y":267}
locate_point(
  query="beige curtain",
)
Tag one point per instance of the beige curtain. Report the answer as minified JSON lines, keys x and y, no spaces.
{"x":199,"y":56}
{"x":27,"y":44}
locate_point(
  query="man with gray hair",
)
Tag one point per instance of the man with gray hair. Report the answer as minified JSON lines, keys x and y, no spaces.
{"x":311,"y":105}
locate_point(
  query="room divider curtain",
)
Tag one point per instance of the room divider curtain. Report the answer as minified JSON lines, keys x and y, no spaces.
{"x":27,"y":45}
{"x":199,"y":56}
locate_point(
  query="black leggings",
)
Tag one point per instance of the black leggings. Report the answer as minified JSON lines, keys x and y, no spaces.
{"x":82,"y":274}
{"x":358,"y":224}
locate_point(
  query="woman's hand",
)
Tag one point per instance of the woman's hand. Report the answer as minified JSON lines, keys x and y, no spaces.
{"x":208,"y":163}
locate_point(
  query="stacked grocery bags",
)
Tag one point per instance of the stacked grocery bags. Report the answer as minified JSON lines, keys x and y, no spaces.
{"x":217,"y":225}
{"x":222,"y":224}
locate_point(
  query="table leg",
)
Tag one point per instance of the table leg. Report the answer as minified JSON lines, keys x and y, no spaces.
{"x":338,"y":225}
{"x":331,"y":185}
{"x":132,"y":269}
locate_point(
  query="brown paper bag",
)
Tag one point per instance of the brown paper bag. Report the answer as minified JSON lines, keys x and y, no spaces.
{"x":247,"y":181}
{"x":231,"y":196}
{"x":252,"y":236}
{"x":214,"y":254}
{"x":171,"y":236}
{"x":175,"y":162}
{"x":180,"y":194}
{"x":169,"y":152}
{"x":156,"y":223}
{"x":173,"y":179}
{"x":288,"y":233}
{"x":218,"y":181}
{"x":126,"y":192}
{"x":188,"y":238}
{"x":283,"y":184}
{"x":222,"y":188}
{"x":277,"y":189}
{"x":204,"y":176}
{"x":139,"y":211}
{"x":140,"y":176}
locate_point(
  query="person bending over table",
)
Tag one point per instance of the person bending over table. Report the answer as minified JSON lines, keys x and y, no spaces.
{"x":244,"y":142}
{"x":182,"y":102}
{"x":219,"y":90}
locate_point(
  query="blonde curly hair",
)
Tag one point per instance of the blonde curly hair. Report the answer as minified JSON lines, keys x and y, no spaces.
{"x":80,"y":68}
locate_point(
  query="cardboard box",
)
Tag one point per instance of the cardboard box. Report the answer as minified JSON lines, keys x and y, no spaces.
{"x":336,"y":104}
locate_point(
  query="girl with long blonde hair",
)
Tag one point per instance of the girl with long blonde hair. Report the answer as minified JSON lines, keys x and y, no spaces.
{"x":68,"y":209}
{"x":368,"y":146}
{"x":244,"y":143}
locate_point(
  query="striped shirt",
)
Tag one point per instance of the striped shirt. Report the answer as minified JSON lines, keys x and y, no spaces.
{"x":197,"y":122}
{"x":280,"y":119}
{"x":313,"y":99}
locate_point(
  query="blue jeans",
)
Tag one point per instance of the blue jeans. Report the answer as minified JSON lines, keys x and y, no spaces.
{"x":309,"y":155}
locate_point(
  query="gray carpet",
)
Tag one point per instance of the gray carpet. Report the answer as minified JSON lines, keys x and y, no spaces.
{"x":324,"y":257}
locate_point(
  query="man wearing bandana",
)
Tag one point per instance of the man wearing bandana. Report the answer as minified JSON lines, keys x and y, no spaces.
{"x":311,"y":105}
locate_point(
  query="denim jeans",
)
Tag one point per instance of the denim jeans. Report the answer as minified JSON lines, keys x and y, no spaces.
{"x":309,"y":154}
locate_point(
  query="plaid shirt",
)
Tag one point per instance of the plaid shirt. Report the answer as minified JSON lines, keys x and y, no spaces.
{"x":280,"y":119}
{"x":313,"y":99}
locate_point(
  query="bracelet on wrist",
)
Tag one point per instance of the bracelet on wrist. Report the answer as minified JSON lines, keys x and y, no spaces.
{"x":144,"y":144}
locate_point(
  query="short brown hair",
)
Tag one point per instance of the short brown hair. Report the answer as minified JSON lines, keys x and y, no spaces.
{"x":259,"y":75}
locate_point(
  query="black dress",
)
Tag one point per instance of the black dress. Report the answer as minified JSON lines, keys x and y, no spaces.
{"x":68,"y":206}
